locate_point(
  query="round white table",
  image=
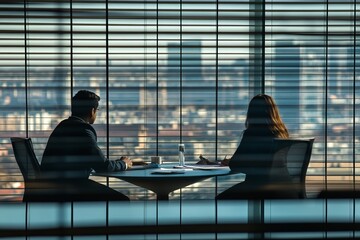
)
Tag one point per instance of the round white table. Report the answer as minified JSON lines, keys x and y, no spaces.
{"x":163,"y":183}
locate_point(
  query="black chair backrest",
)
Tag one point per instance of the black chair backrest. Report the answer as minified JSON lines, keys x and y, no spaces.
{"x":26,"y":158}
{"x":297,"y":154}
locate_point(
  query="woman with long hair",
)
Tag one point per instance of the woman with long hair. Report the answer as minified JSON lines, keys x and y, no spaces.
{"x":254,"y":155}
{"x":263,"y":113}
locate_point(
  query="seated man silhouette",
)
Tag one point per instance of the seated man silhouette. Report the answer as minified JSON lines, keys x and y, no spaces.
{"x":72,"y":153}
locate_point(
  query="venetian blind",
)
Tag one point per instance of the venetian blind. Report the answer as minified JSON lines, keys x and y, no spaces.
{"x":167,"y":72}
{"x":181,"y":71}
{"x":311,"y":52}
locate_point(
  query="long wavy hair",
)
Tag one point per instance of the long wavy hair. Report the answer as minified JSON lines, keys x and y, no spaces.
{"x":264,"y":113}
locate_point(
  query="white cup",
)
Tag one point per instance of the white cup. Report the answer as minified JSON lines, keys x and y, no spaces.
{"x":156,"y":159}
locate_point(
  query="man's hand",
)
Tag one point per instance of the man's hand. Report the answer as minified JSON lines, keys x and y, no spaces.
{"x":127,"y":161}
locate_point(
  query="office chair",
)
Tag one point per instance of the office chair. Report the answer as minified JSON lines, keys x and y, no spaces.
{"x":296,"y":154}
{"x":35,"y":189}
{"x":41,"y":188}
{"x":25,"y":158}
{"x":285,"y":179}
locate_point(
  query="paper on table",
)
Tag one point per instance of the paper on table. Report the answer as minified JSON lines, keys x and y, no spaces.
{"x":205,"y":167}
{"x":170,"y":171}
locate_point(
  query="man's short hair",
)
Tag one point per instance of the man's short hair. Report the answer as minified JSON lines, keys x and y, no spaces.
{"x":83,"y":102}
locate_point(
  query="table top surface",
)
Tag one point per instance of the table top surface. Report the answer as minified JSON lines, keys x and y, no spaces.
{"x":166,"y":177}
{"x":168,"y":171}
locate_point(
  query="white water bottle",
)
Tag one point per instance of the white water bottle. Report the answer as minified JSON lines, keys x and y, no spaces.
{"x":181,"y":154}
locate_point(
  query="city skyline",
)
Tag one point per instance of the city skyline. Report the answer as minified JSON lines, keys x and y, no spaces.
{"x":138,"y":92}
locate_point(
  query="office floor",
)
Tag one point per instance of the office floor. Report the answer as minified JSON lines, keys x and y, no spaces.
{"x":117,"y":217}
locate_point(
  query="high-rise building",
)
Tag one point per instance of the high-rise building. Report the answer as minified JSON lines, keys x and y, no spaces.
{"x":312,"y":82}
{"x":286,"y":70}
{"x":184,"y":71}
{"x":185,"y":58}
{"x":58,"y":89}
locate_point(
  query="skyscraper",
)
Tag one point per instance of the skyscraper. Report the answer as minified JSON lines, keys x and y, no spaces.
{"x":286,"y":69}
{"x":184,"y":71}
{"x":185,"y":58}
